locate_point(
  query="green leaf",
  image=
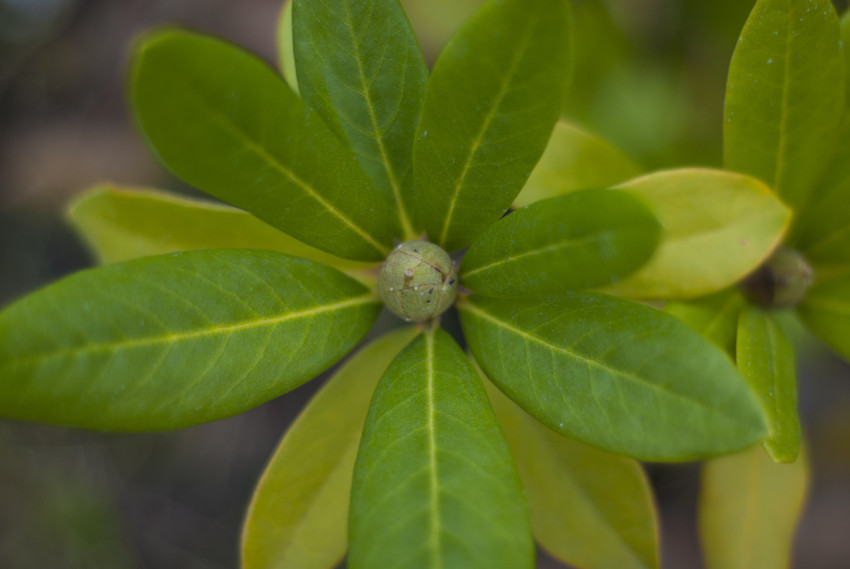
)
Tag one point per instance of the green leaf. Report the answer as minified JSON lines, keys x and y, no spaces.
{"x":575,"y":160}
{"x":583,"y":239}
{"x":785,"y":95}
{"x":121,"y":224}
{"x":492,"y":100}
{"x":434,"y":483}
{"x":844,"y":28}
{"x":589,"y":508}
{"x":299,"y":513}
{"x":715,"y":317}
{"x":285,"y":50}
{"x":766,"y":359}
{"x":826,"y":311}
{"x":822,"y":229}
{"x":614,"y":374}
{"x":224,"y":122}
{"x":360,"y":67}
{"x":176,"y":340}
{"x":717,"y":228}
{"x":749,"y":508}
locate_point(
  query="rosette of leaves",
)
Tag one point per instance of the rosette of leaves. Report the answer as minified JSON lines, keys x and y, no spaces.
{"x":787,"y":124}
{"x":204,"y":311}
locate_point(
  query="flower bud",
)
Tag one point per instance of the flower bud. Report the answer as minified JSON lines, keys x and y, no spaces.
{"x":418,"y":281}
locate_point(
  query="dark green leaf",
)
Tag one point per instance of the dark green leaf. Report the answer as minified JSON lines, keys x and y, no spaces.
{"x":845,"y":44}
{"x":176,"y":340}
{"x":575,"y":160}
{"x":614,"y":374}
{"x":715,"y":317}
{"x":224,"y":122}
{"x":434,"y":483}
{"x":589,"y":508}
{"x":299,"y":513}
{"x":360,"y":67}
{"x":785,"y":95}
{"x":826,"y":311}
{"x":749,"y":508}
{"x":584,"y":239}
{"x":122,"y":224}
{"x":766,"y":359}
{"x":492,"y":100}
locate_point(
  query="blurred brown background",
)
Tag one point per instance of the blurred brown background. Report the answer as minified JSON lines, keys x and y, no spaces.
{"x":649,"y":76}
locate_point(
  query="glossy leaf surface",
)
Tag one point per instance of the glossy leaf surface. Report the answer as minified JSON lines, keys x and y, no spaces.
{"x":584,"y":239}
{"x":589,"y":508}
{"x":611,"y":373}
{"x":224,"y":122}
{"x":176,"y":340}
{"x":434,"y":483}
{"x":492,"y":100}
{"x":717,"y":227}
{"x":715,"y":317}
{"x":826,"y":311}
{"x":765,"y":358}
{"x":299,"y":513}
{"x":785,"y":95}
{"x":120,"y":224}
{"x":575,"y":160}
{"x":359,"y":65}
{"x":749,"y":508}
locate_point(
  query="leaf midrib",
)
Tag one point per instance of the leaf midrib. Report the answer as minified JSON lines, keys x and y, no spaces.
{"x":552,"y":247}
{"x":434,"y":482}
{"x":175,"y":337}
{"x":518,"y":53}
{"x":239,"y":134}
{"x":467,"y":305}
{"x":389,"y":166}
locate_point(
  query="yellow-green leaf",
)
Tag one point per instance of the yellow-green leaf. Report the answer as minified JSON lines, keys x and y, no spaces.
{"x":765,"y":358}
{"x":715,"y":316}
{"x":749,"y":507}
{"x":717,"y":227}
{"x":121,"y":224}
{"x":575,"y":160}
{"x":589,"y":508}
{"x":299,"y":513}
{"x":285,"y":51}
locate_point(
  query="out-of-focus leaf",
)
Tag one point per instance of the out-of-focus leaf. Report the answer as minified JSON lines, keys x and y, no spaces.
{"x":615,"y":374}
{"x":584,"y":239}
{"x":717,"y":227}
{"x":589,"y":508}
{"x":121,"y":224}
{"x":766,"y":359}
{"x":492,"y":100}
{"x":826,"y":311}
{"x":749,"y":507}
{"x":434,"y":483}
{"x":360,"y":67}
{"x":285,"y":51}
{"x":299,"y":513}
{"x":785,"y":96}
{"x":715,"y":317}
{"x":224,"y":122}
{"x":176,"y":340}
{"x":822,"y":229}
{"x":844,"y":26}
{"x":575,"y":160}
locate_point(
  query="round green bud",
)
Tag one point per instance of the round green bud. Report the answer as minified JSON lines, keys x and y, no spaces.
{"x":418,"y":281}
{"x":781,"y":281}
